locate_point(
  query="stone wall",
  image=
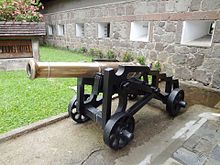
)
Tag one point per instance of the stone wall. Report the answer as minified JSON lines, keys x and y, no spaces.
{"x":165,"y":18}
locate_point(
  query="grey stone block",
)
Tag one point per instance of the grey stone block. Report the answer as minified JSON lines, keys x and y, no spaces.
{"x":170,"y":49}
{"x":168,"y":69}
{"x":216,"y":51}
{"x":120,"y":11}
{"x":158,"y":30}
{"x":216,"y":36}
{"x":157,"y":38}
{"x":188,"y":158}
{"x":195,"y":60}
{"x":183,"y":73}
{"x":161,"y":24}
{"x":211,"y":161}
{"x":210,"y":131}
{"x":162,"y":56}
{"x":168,"y":37}
{"x":170,"y":27}
{"x":182,"y":5}
{"x":159,"y":46}
{"x":179,"y":59}
{"x":216,"y":79}
{"x":161,"y":7}
{"x":171,"y":161}
{"x":202,"y":76}
{"x":170,"y":6}
{"x":191,"y":143}
{"x":204,"y":146}
{"x":129,"y":10}
{"x":146,"y":7}
{"x":210,"y":64}
{"x":183,"y":49}
{"x":153,"y":55}
{"x":216,"y":153}
{"x":195,"y":5}
{"x":149,"y":46}
{"x":210,"y":5}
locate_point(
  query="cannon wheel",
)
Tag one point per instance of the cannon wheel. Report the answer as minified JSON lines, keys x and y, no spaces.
{"x":174,"y":101}
{"x":74,"y":114}
{"x":118,"y":131}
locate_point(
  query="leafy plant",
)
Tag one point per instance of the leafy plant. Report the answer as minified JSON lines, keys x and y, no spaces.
{"x":82,"y":50}
{"x":156,"y":66}
{"x":21,"y":10}
{"x":95,"y":53}
{"x":111,"y":54}
{"x":91,"y":52}
{"x":98,"y":53}
{"x":127,"y":57}
{"x":141,"y":60}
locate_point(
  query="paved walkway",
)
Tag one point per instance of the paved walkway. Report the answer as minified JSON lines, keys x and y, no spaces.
{"x":192,"y":136}
{"x":201,"y":142}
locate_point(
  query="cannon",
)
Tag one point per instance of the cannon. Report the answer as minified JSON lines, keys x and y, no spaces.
{"x":130,"y":81}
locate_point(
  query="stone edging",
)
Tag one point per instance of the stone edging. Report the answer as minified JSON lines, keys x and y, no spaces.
{"x":31,"y":127}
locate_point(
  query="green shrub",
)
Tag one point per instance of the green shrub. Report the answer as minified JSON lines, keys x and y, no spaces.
{"x":141,"y":60}
{"x":95,"y":53}
{"x":91,"y":52}
{"x":99,"y":53}
{"x":82,"y":50}
{"x":127,"y":57}
{"x":156,"y":66}
{"x":111,"y":54}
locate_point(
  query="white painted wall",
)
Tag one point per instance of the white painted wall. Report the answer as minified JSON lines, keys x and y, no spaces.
{"x":79,"y":29}
{"x":60,"y":30}
{"x":50,"y":30}
{"x":102,"y":30}
{"x":193,"y":30}
{"x":139,"y":31}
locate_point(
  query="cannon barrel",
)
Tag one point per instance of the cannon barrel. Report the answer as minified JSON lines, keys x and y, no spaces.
{"x":69,"y":69}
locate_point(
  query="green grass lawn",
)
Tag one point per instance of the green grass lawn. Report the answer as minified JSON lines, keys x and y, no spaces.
{"x":24,"y":101}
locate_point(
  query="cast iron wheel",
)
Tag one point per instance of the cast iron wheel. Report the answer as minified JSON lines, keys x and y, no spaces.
{"x":79,"y":118}
{"x":175,"y":102}
{"x":119,"y":130}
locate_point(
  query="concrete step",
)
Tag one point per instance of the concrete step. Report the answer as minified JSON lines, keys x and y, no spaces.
{"x":168,"y":146}
{"x":196,"y":136}
{"x":217,"y":105}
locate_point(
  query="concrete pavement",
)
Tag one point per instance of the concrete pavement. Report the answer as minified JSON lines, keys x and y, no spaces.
{"x":158,"y":139}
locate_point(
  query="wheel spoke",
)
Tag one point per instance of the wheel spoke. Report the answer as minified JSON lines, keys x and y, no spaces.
{"x":77,"y":116}
{"x":82,"y":117}
{"x":115,"y":143}
{"x":118,"y":131}
{"x":122,"y":142}
{"x":74,"y":114}
{"x":74,"y":110}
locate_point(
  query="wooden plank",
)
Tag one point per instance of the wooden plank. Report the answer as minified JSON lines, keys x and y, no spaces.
{"x":15,"y":49}
{"x":17,"y":55}
{"x":14,"y":42}
{"x":22,"y":28}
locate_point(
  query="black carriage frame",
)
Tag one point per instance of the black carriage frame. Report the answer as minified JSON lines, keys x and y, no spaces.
{"x":128,"y":82}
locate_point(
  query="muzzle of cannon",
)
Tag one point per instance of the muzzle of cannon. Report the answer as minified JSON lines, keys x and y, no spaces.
{"x":129,"y":81}
{"x":69,"y":69}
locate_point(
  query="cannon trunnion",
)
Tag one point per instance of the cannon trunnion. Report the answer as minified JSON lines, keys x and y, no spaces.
{"x":129,"y":82}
